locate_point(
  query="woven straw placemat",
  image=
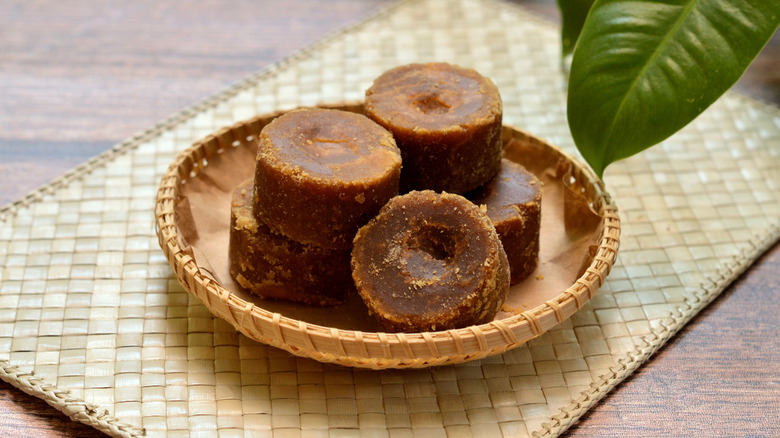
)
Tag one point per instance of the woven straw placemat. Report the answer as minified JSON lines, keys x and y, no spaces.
{"x":93,"y":321}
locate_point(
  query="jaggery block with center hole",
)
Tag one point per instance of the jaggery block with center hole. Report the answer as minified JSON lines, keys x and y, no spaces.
{"x":430,"y":262}
{"x":445,"y":119}
{"x":321,"y":174}
{"x":514,"y":204}
{"x":272,"y":266}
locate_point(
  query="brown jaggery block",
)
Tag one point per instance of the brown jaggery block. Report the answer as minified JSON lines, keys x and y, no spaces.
{"x":321,"y":174}
{"x":430,"y":262}
{"x":514,"y":204}
{"x":445,"y":119}
{"x":272,"y":266}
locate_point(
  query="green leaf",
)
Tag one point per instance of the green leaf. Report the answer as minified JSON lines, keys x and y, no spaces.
{"x":573,"y":14}
{"x":643,"y":69}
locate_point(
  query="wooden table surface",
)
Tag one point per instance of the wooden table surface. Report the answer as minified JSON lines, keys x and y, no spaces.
{"x":77,"y":77}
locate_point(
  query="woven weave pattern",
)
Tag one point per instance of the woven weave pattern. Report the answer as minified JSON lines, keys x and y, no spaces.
{"x":303,"y":335}
{"x":89,"y":304}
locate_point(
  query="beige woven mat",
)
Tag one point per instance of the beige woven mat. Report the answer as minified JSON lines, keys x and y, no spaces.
{"x":89,"y":305}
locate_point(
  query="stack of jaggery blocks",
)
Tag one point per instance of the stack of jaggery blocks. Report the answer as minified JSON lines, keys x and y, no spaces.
{"x":410,"y":204}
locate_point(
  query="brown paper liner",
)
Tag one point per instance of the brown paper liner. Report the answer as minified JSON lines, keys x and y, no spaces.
{"x":569,"y":227}
{"x":193,"y":217}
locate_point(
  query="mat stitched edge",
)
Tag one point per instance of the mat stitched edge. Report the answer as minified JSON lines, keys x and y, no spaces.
{"x":75,"y":408}
{"x":566,"y":416}
{"x":90,"y":414}
{"x":187,"y":113}
{"x":689,"y":308}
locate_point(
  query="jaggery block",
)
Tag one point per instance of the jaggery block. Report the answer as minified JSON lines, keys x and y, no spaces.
{"x":514,"y":205}
{"x":321,"y":174}
{"x":430,"y":262}
{"x":270,"y":265}
{"x":445,"y":119}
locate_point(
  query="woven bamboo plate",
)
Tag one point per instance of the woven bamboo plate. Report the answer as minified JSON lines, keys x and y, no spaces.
{"x":373,"y":349}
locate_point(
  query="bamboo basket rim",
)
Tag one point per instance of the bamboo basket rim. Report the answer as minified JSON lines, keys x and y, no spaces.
{"x":376,"y":350}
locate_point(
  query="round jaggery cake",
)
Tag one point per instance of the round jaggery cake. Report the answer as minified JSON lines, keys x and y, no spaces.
{"x":514,"y":204}
{"x":321,"y":174}
{"x":272,"y":266}
{"x":445,"y":119}
{"x":430,"y":262}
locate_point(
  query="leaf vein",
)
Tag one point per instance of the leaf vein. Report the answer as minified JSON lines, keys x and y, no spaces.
{"x":651,"y":60}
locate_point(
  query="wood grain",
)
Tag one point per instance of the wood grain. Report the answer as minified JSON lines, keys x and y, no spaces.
{"x":77,"y":77}
{"x":720,"y":376}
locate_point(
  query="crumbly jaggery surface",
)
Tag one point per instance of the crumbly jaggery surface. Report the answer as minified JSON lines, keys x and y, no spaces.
{"x":514,"y":204}
{"x":430,"y":262}
{"x":321,"y":174}
{"x":445,"y":119}
{"x":272,"y":266}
